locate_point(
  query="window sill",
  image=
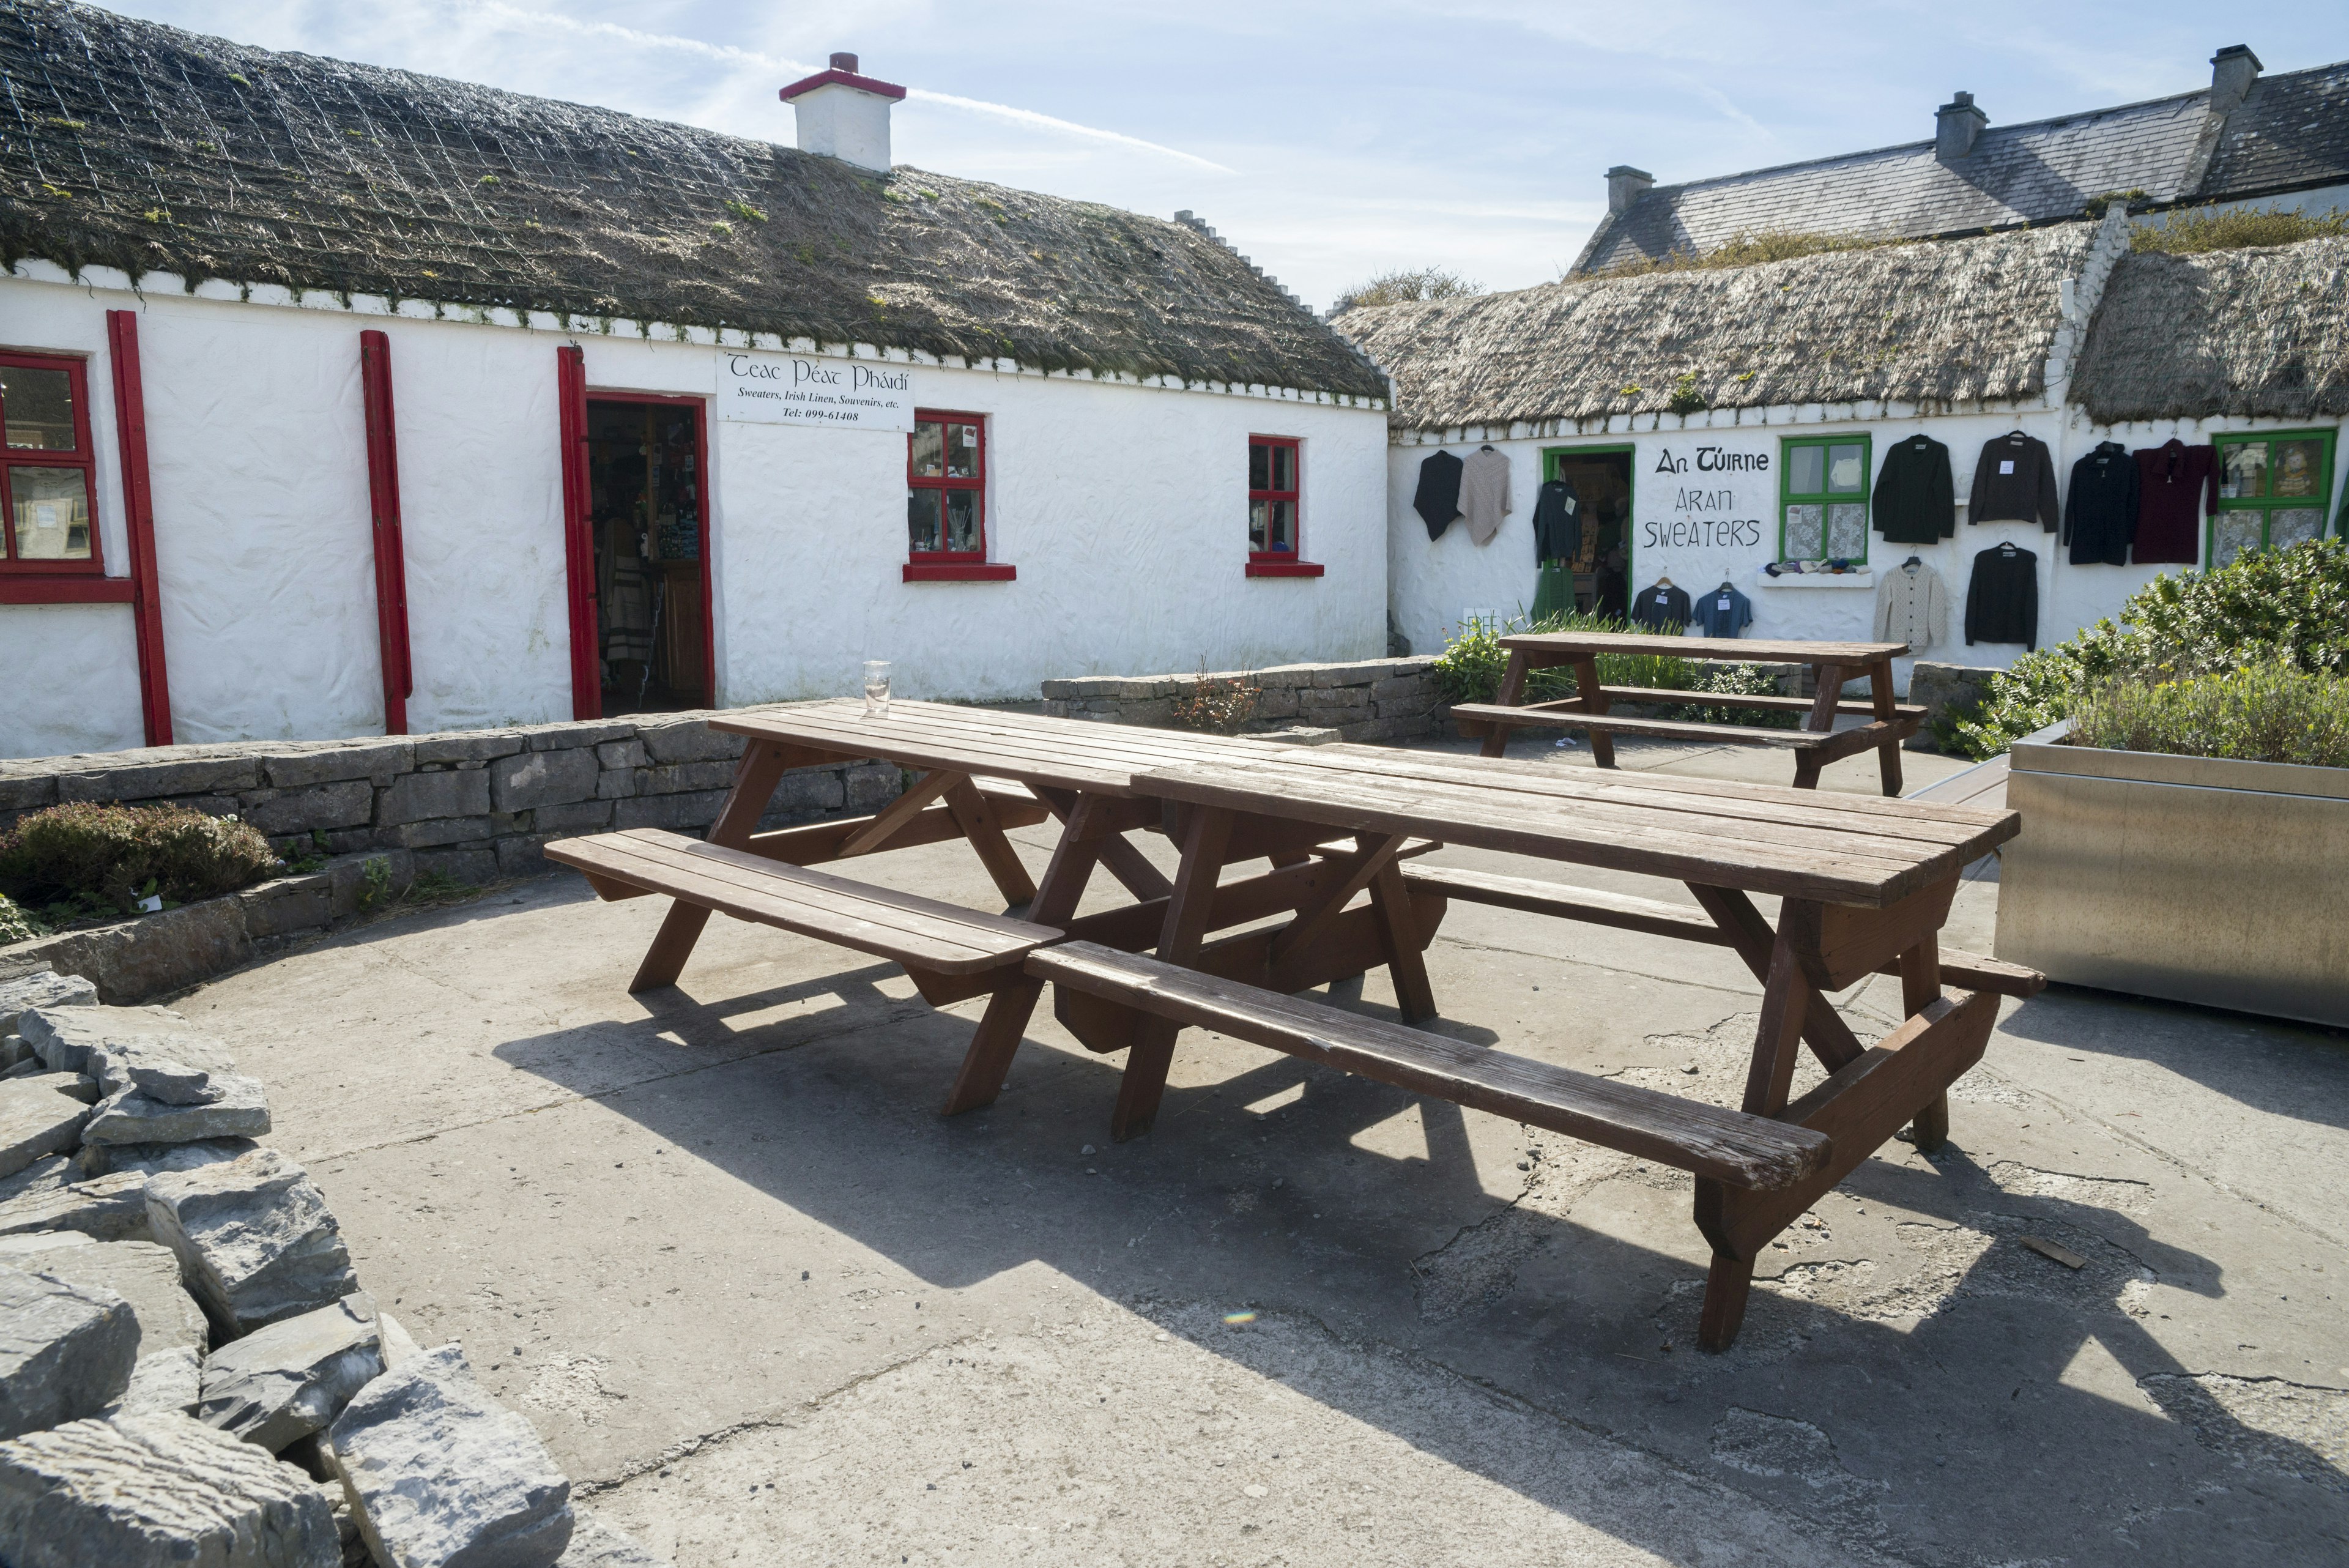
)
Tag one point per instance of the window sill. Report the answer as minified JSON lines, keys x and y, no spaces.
{"x":1863,"y":578}
{"x":1284,"y":568}
{"x":63,"y":588}
{"x":959,"y":572}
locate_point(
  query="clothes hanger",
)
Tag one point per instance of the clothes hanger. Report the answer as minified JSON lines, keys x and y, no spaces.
{"x":1486,"y":447}
{"x":1663,"y":582}
{"x":1912,"y":561}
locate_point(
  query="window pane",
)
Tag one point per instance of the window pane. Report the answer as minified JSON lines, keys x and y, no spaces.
{"x":922,"y":521}
{"x":1806,"y":470}
{"x":1805,"y":529}
{"x":2296,"y":526}
{"x":1284,"y":468}
{"x":1255,"y":521}
{"x":1260,"y":466}
{"x":1847,"y":531}
{"x":962,"y":519}
{"x":52,"y":514}
{"x":927,"y":442}
{"x":1281,"y":525}
{"x":37,"y":406}
{"x":1847,"y":467}
{"x":962,"y":451}
{"x":2299,"y":466}
{"x":2231,"y":533}
{"x":2244,"y":477}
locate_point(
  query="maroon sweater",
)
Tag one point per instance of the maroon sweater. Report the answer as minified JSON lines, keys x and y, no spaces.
{"x":2174,"y":483}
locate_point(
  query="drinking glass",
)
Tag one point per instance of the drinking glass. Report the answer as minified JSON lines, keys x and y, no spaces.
{"x":876,"y":688}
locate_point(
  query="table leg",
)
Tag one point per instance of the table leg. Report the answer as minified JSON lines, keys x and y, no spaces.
{"x":1921,"y":986}
{"x":1785,"y":1000}
{"x":1749,"y":936}
{"x":1188,"y":913}
{"x":1512,"y":693}
{"x":1398,"y":934}
{"x":1888,"y":753}
{"x":1820,"y":720}
{"x":755,"y":778}
{"x":1118,"y":855}
{"x":977,"y":820}
{"x":1594,"y":701}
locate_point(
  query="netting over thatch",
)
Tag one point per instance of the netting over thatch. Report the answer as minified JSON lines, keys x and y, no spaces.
{"x":2245,"y":332}
{"x":136,"y":146}
{"x":1943,"y":323}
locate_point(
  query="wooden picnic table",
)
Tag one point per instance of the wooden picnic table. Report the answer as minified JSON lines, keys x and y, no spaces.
{"x":1865,"y":885}
{"x":1815,"y":745}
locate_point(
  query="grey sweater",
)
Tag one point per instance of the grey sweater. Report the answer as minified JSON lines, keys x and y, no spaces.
{"x":1485,"y":492}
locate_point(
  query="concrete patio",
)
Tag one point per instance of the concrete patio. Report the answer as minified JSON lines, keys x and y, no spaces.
{"x":766,"y":1306}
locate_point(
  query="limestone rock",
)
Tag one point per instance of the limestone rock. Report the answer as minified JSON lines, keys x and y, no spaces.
{"x":65,"y":1036}
{"x":66,"y":1352}
{"x":36,"y":1120}
{"x":110,"y":1208}
{"x":157,"y":1492}
{"x":140,"y":1272}
{"x":240,"y":1109}
{"x":15,"y":1247}
{"x":174,"y":1083}
{"x":25,"y":1066}
{"x":595,"y":1544}
{"x":398,"y":1345}
{"x":42,"y":987}
{"x":112,"y":1062}
{"x":255,"y":1241}
{"x":292,"y":1378}
{"x":438,"y":1472}
{"x":168,"y":1382}
{"x":155,"y":1159}
{"x":45,"y":1175}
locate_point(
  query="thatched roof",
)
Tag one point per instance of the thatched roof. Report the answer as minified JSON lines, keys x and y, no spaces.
{"x":1942,"y":323}
{"x":136,"y":146}
{"x":2261,"y":331}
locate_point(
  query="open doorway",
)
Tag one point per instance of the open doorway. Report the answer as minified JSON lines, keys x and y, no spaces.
{"x":1601,"y":477}
{"x":648,"y":519}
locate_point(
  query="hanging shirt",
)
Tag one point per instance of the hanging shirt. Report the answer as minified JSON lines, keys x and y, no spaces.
{"x":1721,"y":611}
{"x":2014,"y":482}
{"x":1915,"y":500}
{"x":2175,"y":483}
{"x":1437,"y":499}
{"x":2100,"y":514}
{"x":1912,"y":607}
{"x":1660,"y":608}
{"x":1557,"y":522}
{"x":1485,"y":492}
{"x":2003,"y":600}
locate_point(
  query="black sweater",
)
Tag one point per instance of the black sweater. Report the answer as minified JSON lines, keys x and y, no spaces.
{"x":1915,"y":501}
{"x":1437,"y":500}
{"x":1660,"y":608}
{"x":2003,"y":600}
{"x":2014,"y":482}
{"x":1557,"y":522}
{"x":2100,"y":514}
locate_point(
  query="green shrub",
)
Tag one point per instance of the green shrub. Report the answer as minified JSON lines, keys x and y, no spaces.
{"x":94,"y":858}
{"x":15,"y":925}
{"x":1473,"y":663}
{"x":1738,"y":680}
{"x":2266,"y":712}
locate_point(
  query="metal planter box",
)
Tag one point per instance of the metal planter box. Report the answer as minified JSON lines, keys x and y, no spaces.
{"x":2193,"y":878}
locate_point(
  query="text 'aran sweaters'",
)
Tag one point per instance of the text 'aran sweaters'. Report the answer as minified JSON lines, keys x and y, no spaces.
{"x":1915,"y":499}
{"x":1437,"y":499}
{"x":2014,"y":482}
{"x":1661,"y":607}
{"x":2100,"y":512}
{"x":1723,"y":611}
{"x":1557,"y":522}
{"x":1485,"y":492}
{"x":2003,"y":600}
{"x":1912,"y":607}
{"x":2175,"y":483}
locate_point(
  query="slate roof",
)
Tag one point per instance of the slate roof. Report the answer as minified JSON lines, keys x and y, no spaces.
{"x":2291,"y":132}
{"x":136,"y":146}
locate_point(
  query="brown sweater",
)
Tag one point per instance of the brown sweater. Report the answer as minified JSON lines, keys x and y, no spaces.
{"x":2014,"y":482}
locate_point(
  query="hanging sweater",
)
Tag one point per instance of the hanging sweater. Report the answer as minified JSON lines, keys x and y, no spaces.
{"x":1485,"y":492}
{"x":2014,"y":482}
{"x":1723,"y":611}
{"x":2175,"y":482}
{"x":2003,"y":600}
{"x":1912,"y":607}
{"x":1915,"y":501}
{"x":1557,"y":522}
{"x":1437,"y":500}
{"x":1660,"y":606}
{"x":2100,"y":512}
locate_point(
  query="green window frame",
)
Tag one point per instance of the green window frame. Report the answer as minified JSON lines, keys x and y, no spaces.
{"x":1822,"y":496}
{"x":2274,"y":490}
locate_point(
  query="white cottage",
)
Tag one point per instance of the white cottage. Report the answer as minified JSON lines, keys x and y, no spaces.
{"x":340,"y":400}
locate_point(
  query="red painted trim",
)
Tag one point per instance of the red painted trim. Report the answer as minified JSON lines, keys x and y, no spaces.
{"x":84,"y":457}
{"x":976,"y":485}
{"x":930,"y":571}
{"x":1294,"y":495}
{"x":701,"y":496}
{"x":579,"y":544}
{"x":1263,"y":566}
{"x":390,"y":555}
{"x":138,"y":523}
{"x":806,"y":84}
{"x":68,"y":591}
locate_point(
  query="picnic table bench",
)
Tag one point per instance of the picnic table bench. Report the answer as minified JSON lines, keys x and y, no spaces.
{"x":1815,"y":745}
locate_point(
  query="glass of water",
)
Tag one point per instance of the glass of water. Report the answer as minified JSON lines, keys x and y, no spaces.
{"x":876,"y":688}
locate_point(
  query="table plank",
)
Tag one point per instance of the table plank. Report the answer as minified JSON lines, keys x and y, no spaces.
{"x":1567,"y":645}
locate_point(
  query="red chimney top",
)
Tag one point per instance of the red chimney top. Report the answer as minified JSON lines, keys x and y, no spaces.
{"x":843,"y":71}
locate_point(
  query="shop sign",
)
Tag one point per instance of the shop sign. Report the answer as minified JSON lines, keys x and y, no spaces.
{"x":803,"y":389}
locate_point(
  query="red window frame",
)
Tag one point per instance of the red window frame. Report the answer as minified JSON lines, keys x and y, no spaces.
{"x":1288,"y":563}
{"x":84,"y":457}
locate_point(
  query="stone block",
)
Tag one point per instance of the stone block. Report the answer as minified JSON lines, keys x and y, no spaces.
{"x":627,"y":754}
{"x":46,"y":1175}
{"x":1321,"y":705}
{"x":145,"y":1160}
{"x":165,"y":1382}
{"x":682,"y":813}
{"x":43,"y":988}
{"x":311,"y":809}
{"x":27,"y":791}
{"x":473,"y":867}
{"x":353,"y":886}
{"x":468,"y":746}
{"x":676,"y":778}
{"x":293,"y":1378}
{"x":522,"y":854}
{"x":1404,"y":689}
{"x":617,"y":783}
{"x":593,"y":732}
{"x":143,"y":1275}
{"x":288,"y":904}
{"x":157,"y":1492}
{"x":66,"y":1351}
{"x":535,"y":778}
{"x":869,"y":787}
{"x":1285,"y":677}
{"x":439,"y":832}
{"x":439,"y":1472}
{"x":1326,"y":676}
{"x":133,"y":1116}
{"x":131,"y":961}
{"x":174,"y":1082}
{"x":330,"y":761}
{"x":595,"y":1544}
{"x":812,"y":790}
{"x":1276,"y":702}
{"x":157,"y":781}
{"x":577,"y":816}
{"x":65,"y":1038}
{"x":254,"y":1238}
{"x":688,"y":741}
{"x":419,"y":797}
{"x":398,"y":1345}
{"x":36,"y":1121}
{"x":105,"y":1208}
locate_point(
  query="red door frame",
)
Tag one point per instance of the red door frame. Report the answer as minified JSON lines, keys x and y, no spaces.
{"x":138,"y":523}
{"x":383,"y":507}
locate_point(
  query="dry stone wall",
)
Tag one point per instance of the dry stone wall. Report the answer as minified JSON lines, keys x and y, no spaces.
{"x":1367,"y":700}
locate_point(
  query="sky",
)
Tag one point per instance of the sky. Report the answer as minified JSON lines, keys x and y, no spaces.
{"x":1328,"y":142}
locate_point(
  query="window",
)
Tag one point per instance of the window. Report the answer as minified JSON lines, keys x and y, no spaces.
{"x":1823,"y":498}
{"x":946,"y":500}
{"x":1275,"y":485}
{"x":47,"y":469}
{"x":2272,"y":492}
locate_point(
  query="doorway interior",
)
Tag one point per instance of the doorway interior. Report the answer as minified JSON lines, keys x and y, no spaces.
{"x":1601,"y":477}
{"x":647,"y":472}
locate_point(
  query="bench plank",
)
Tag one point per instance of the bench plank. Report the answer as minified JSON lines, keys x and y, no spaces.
{"x":1728,"y":1147}
{"x":1592,"y":905}
{"x":1680,"y":698}
{"x":1858,"y":738}
{"x":1718,"y":649}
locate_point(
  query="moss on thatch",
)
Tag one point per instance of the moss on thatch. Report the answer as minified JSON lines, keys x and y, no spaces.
{"x":2195,"y":230}
{"x":139,"y":147}
{"x":2248,"y":333}
{"x":1742,"y":250}
{"x":1941,"y":323}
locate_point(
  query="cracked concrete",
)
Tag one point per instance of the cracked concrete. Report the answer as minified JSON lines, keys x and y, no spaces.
{"x":766,"y":1306}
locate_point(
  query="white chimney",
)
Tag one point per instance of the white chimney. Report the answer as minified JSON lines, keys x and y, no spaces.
{"x":2234,"y":70}
{"x":843,"y":115}
{"x":1956,"y":124}
{"x":1626,"y":185}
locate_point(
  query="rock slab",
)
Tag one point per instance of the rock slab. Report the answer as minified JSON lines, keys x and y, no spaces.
{"x":64,"y":1037}
{"x":255,"y":1241}
{"x":42,"y":987}
{"x":294,"y":1377}
{"x":172,"y":1082}
{"x":157,"y":1492}
{"x":131,"y":1116}
{"x":169,"y":1382}
{"x":36,"y":1121}
{"x":140,"y":1272}
{"x":440,"y":1473}
{"x":66,"y":1352}
{"x":110,"y":1208}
